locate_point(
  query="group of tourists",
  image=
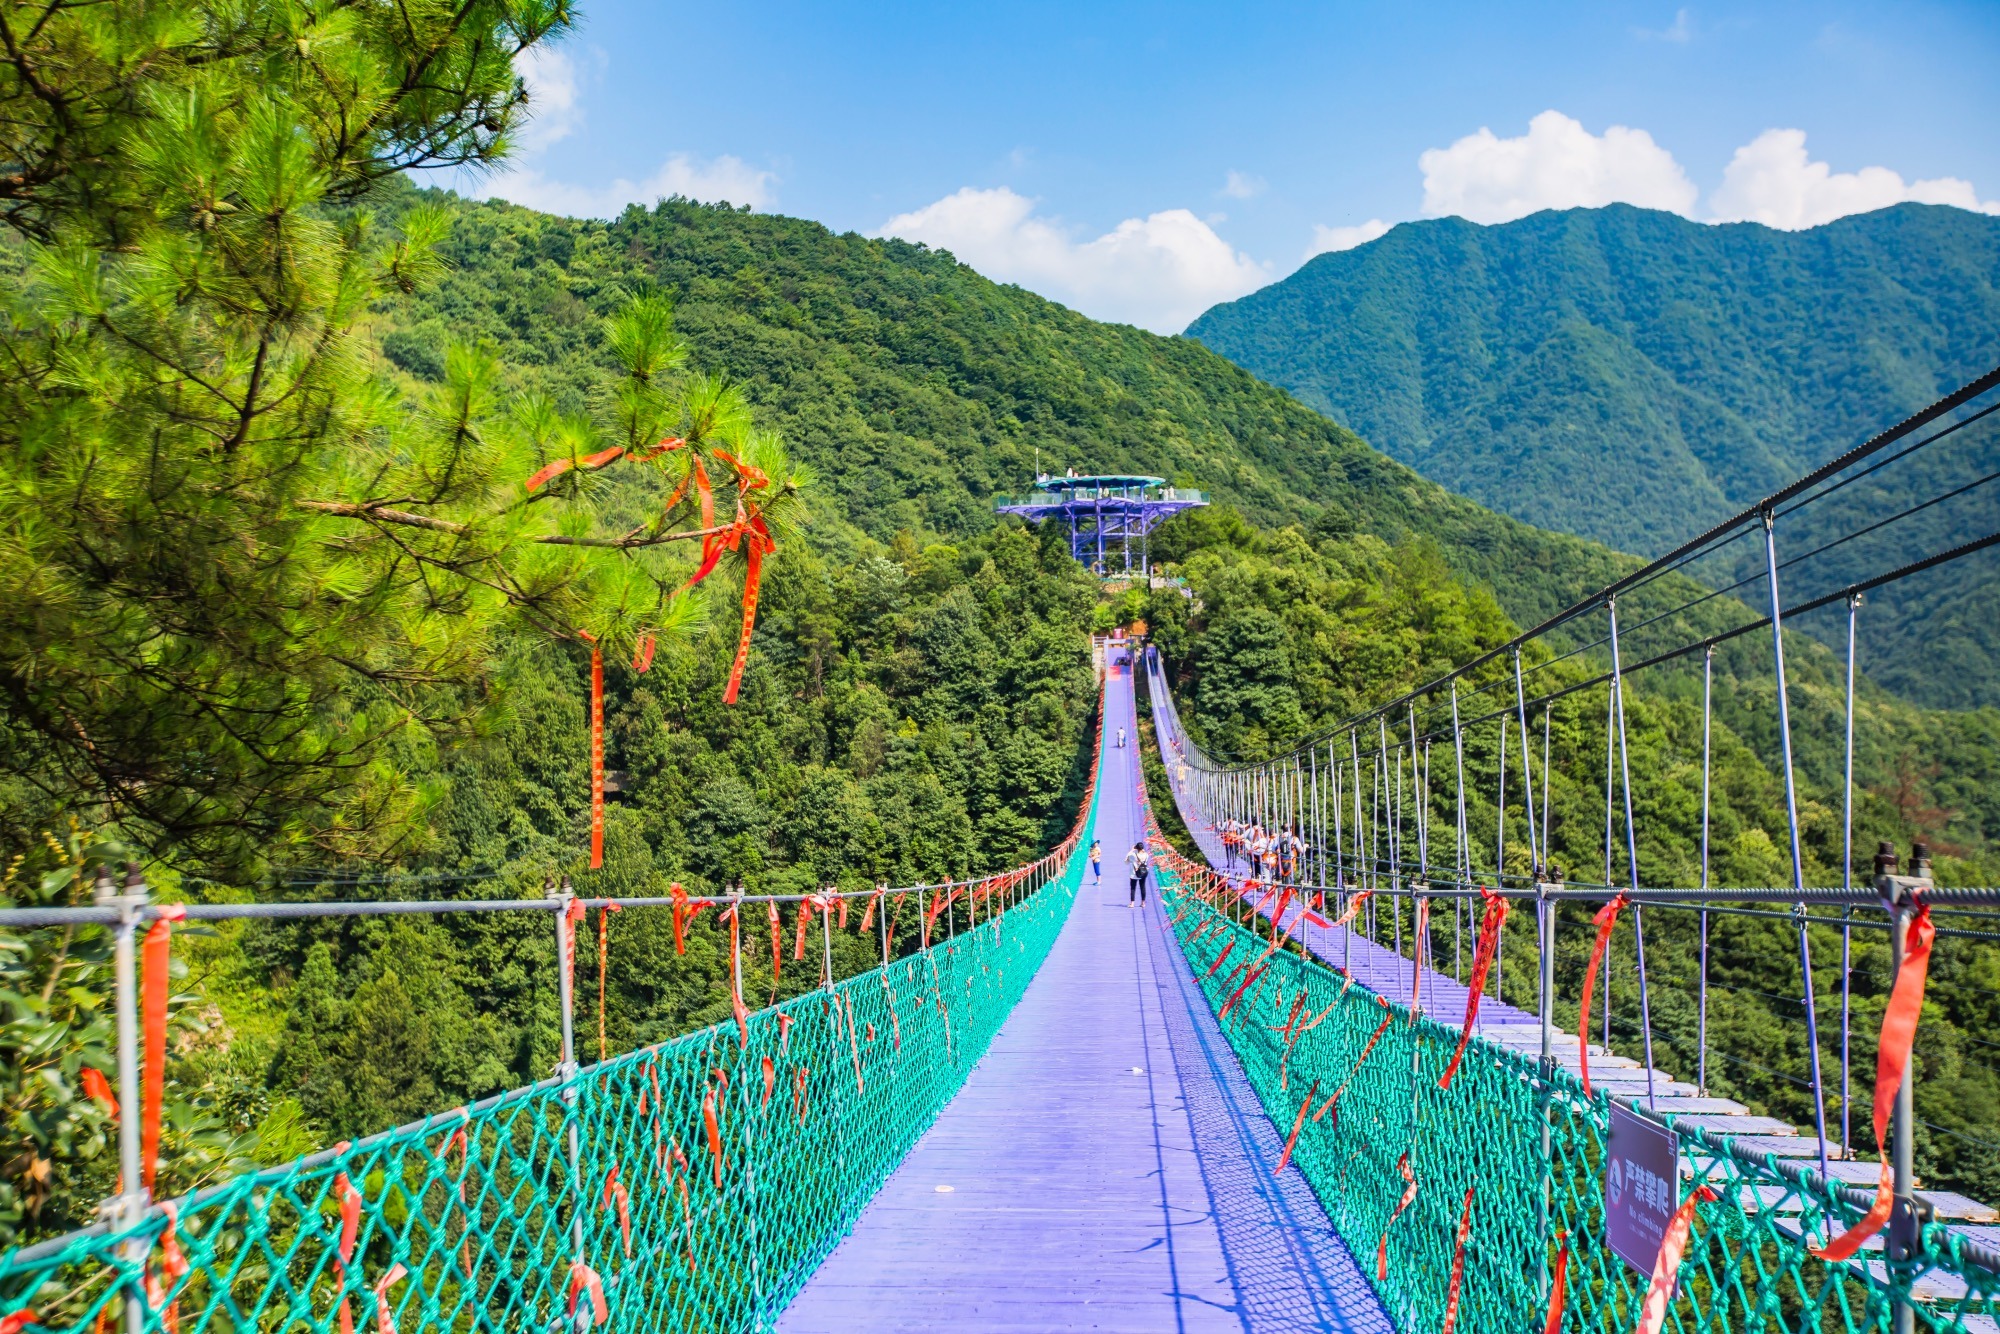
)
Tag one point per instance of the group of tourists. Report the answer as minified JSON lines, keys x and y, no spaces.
{"x":1272,"y":854}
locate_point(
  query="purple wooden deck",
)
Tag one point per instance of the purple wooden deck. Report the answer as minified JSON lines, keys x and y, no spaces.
{"x":1107,"y":1165}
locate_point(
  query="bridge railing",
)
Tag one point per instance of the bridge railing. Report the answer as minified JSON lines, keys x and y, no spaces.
{"x":695,"y":1184}
{"x":1497,"y":1176}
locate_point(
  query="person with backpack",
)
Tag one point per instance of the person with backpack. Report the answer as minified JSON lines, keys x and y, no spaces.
{"x":1140,"y":861}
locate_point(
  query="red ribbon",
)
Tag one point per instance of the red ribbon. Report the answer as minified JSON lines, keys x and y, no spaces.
{"x":1558,"y":1291}
{"x":596,"y":757}
{"x":1457,"y":1265}
{"x":582,"y":1278}
{"x":589,"y":462}
{"x":1892,"y":1063}
{"x":1380,"y":1029}
{"x":1606,"y":919}
{"x":1409,"y":1195}
{"x":616,"y":1196}
{"x":713,"y":1126}
{"x":1490,"y":923}
{"x":1298,"y":1123}
{"x":1667,"y":1265}
{"x":770,"y":1082}
{"x":1219,"y":958}
{"x":777,"y":941}
{"x":385,"y":1315}
{"x":98,"y":1089}
{"x":156,"y":956}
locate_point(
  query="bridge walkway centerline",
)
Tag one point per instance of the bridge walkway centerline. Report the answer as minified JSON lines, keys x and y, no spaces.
{"x":1107,"y":1165}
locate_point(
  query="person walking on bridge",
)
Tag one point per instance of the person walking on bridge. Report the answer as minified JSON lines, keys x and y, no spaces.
{"x":1140,"y":861}
{"x":1096,"y":862}
{"x":1121,"y":738}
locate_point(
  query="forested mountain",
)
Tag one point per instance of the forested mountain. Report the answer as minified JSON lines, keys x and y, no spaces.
{"x":1634,"y":377}
{"x":917,"y":389}
{"x":917,"y":694}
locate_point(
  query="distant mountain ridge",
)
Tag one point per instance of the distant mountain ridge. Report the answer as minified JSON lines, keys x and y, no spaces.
{"x":1633,"y":377}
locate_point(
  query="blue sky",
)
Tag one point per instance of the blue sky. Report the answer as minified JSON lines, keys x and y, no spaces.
{"x":1141,"y":162}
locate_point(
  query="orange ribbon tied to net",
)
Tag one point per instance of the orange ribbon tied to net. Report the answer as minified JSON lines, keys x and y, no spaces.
{"x":1606,"y":919}
{"x":711,"y":1123}
{"x":1457,"y":1265}
{"x":1490,"y":923}
{"x":1892,"y":1064}
{"x":1381,"y":1028}
{"x":385,"y":1312}
{"x":1409,"y":1197}
{"x":160,"y":1288}
{"x":583,"y":1279}
{"x":157,"y":959}
{"x":1667,"y":1265}
{"x":617,"y":1197}
{"x":1558,"y":1289}
{"x":1298,"y":1124}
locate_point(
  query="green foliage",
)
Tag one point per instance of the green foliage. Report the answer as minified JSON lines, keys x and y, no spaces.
{"x":237,"y":563}
{"x":1635,"y":377}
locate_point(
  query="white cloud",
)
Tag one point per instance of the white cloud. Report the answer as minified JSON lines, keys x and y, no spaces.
{"x":1241,"y":185}
{"x":554,"y":99}
{"x":1158,"y":272}
{"x":1327,"y":238}
{"x":1556,"y":164}
{"x":711,"y":180}
{"x":1680,"y":32}
{"x":556,"y":111}
{"x":1772,"y":181}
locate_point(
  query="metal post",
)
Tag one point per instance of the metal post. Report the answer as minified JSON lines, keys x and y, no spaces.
{"x":1545,"y":920}
{"x":127,"y":1207}
{"x":1536,"y":852}
{"x":1847,"y":882}
{"x":1792,"y":820}
{"x":566,"y":991}
{"x":1631,"y":849}
{"x":1701,"y":1023}
{"x":1901,"y":893}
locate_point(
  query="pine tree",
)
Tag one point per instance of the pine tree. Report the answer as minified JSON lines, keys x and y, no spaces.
{"x":234,"y":561}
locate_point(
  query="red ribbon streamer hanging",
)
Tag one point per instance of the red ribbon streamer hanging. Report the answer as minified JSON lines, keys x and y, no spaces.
{"x":1558,"y":1290}
{"x":1490,"y":923}
{"x":156,"y":958}
{"x":1667,"y":1265}
{"x":1298,"y":1123}
{"x":1606,"y":919}
{"x":1380,"y":1029}
{"x":582,"y":1278}
{"x":1892,"y":1063}
{"x":1458,"y":1265}
{"x":98,"y":1089}
{"x":777,"y":941}
{"x":596,"y":756}
{"x":1409,"y":1195}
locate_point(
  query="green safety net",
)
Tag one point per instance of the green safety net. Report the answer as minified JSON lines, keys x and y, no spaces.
{"x":695,"y":1185}
{"x":1530,"y":1149}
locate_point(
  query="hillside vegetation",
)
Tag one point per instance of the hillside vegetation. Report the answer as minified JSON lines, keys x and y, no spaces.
{"x":1634,"y":377}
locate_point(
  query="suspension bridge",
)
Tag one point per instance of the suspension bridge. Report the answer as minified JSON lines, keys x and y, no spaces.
{"x":1259,"y":1099}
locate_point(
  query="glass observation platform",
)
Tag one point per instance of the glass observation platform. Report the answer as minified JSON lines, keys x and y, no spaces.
{"x":1109,"y":516}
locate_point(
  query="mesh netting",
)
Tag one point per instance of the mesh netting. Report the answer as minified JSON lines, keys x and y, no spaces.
{"x":1530,"y":1148}
{"x":696,"y":1185}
